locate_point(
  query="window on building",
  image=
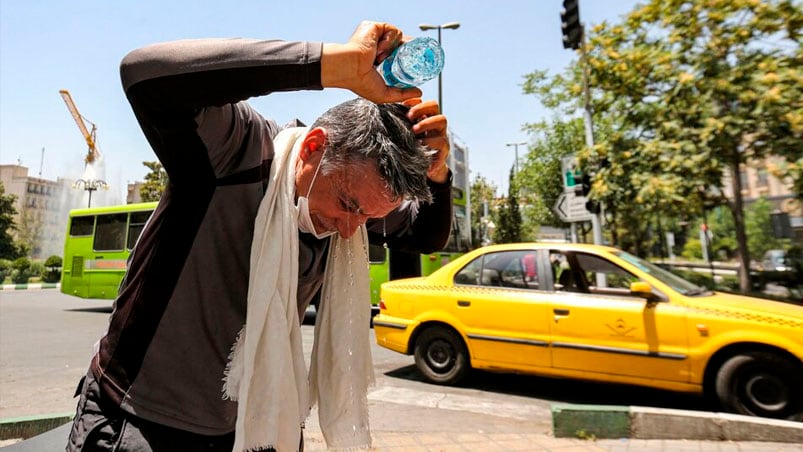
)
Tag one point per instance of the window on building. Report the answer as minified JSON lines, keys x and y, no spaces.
{"x":763,"y":177}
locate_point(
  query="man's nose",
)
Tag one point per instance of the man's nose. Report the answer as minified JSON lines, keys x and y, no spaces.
{"x":348,"y":228}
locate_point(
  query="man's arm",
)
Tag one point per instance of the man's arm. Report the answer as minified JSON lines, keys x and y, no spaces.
{"x":168,"y":86}
{"x":179,"y":89}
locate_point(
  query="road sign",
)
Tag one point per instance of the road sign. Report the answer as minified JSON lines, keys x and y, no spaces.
{"x":571,"y":207}
{"x":570,"y":173}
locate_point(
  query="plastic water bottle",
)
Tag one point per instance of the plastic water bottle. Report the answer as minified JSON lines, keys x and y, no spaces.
{"x":413,"y":63}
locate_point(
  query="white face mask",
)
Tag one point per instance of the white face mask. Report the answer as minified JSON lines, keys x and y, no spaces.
{"x":305,"y":223}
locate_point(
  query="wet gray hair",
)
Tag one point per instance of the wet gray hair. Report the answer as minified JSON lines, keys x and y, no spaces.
{"x":362,"y":132}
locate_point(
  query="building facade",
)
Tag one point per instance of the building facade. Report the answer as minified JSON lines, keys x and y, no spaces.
{"x":41,"y":216}
{"x":758,"y":182}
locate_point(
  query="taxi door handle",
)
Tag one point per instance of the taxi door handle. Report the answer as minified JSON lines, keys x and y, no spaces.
{"x":463,"y":303}
{"x":561,"y":311}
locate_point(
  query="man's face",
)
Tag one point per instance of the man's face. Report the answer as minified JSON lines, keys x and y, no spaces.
{"x":343,"y":200}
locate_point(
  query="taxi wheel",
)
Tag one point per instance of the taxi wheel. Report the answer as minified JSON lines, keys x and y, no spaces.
{"x":441,"y":356}
{"x":760,"y":384}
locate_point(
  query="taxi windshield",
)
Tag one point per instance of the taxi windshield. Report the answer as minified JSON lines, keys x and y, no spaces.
{"x":665,"y":276}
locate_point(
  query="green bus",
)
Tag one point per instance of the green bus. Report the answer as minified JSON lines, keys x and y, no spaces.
{"x":97,"y":245}
{"x":99,"y":240}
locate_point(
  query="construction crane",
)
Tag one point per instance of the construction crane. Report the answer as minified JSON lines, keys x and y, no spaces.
{"x":90,"y":137}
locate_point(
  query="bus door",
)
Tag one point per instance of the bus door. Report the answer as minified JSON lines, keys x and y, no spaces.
{"x":78,"y":248}
{"x":107,"y":262}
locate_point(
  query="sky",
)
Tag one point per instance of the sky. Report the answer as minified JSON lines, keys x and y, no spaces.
{"x":77,"y":45}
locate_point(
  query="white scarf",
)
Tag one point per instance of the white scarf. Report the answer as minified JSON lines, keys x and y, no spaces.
{"x":266,"y":373}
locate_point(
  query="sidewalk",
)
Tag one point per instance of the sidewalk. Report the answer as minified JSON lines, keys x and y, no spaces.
{"x":30,"y":286}
{"x":397,"y":427}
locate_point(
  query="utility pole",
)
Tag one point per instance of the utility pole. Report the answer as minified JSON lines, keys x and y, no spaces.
{"x":447,"y":26}
{"x":516,"y":150}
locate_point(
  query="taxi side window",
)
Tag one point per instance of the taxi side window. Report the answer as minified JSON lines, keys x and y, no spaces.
{"x":516,"y":269}
{"x":603,"y":276}
{"x":468,"y":275}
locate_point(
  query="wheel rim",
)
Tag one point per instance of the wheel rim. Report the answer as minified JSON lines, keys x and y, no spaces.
{"x":766,"y":392}
{"x":440,"y":356}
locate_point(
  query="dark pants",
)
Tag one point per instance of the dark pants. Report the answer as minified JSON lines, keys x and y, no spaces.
{"x":99,"y":427}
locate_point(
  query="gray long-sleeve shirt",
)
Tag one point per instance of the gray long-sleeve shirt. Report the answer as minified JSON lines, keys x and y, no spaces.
{"x":183,"y":300}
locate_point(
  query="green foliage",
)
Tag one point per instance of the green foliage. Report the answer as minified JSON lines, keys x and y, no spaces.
{"x":52,"y":271}
{"x":155,"y":182}
{"x":540,"y":177}
{"x":54,"y":261}
{"x":582,"y":434}
{"x":483,"y":194}
{"x":508,"y":224}
{"x":37,"y":270}
{"x":700,"y":88}
{"x":689,"y":91}
{"x":23,"y":269}
{"x":5,"y":269}
{"x":758,"y":226}
{"x":692,"y":249}
{"x":9,"y":248}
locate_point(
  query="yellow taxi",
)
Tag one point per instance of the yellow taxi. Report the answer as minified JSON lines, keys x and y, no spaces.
{"x":596,"y":313}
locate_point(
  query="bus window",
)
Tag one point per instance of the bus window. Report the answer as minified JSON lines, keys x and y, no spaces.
{"x":82,"y":225}
{"x":110,"y":232}
{"x":135,"y":226}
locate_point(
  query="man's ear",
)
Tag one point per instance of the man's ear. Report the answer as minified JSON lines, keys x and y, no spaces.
{"x":314,"y":141}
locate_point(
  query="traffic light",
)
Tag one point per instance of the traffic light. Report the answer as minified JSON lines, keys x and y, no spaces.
{"x":585,"y":187}
{"x":585,"y":184}
{"x":570,"y":24}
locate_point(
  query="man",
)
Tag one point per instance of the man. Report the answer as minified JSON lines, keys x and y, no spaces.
{"x":156,"y":379}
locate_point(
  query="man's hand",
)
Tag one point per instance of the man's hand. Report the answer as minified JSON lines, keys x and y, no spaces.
{"x":353,"y":65}
{"x":430,"y":127}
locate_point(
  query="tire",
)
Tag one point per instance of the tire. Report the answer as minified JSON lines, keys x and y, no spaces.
{"x":441,"y":356}
{"x":760,"y":384}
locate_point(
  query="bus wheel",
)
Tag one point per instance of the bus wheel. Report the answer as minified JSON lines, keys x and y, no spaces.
{"x":760,"y":384}
{"x":441,"y":355}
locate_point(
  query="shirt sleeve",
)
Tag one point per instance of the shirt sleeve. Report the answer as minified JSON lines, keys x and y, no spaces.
{"x":188,"y":96}
{"x":422,"y":230}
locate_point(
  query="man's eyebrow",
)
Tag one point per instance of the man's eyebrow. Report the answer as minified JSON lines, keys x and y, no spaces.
{"x":351,"y":203}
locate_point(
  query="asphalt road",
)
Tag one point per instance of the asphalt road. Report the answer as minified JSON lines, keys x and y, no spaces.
{"x":46,"y":340}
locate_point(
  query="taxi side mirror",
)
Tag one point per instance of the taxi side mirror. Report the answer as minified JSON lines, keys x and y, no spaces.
{"x":642,"y":289}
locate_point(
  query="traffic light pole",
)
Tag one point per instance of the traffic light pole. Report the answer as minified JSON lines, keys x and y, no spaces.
{"x":596,"y":221}
{"x":574,"y":38}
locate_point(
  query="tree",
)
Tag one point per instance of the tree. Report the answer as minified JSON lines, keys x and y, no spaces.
{"x":30,"y":231}
{"x":9,"y":248}
{"x":52,"y":265}
{"x":483,"y":193}
{"x":758,"y":226}
{"x":155,"y":182}
{"x":508,"y":224}
{"x":609,"y":164}
{"x":540,"y":175}
{"x":702,"y":87}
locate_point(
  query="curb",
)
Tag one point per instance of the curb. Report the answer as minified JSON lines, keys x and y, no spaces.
{"x":30,"y":286}
{"x":604,"y":421}
{"x":28,"y":426}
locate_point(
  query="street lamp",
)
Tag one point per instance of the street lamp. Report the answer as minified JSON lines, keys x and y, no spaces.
{"x":448,"y":26}
{"x":516,"y":145}
{"x":90,"y":185}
